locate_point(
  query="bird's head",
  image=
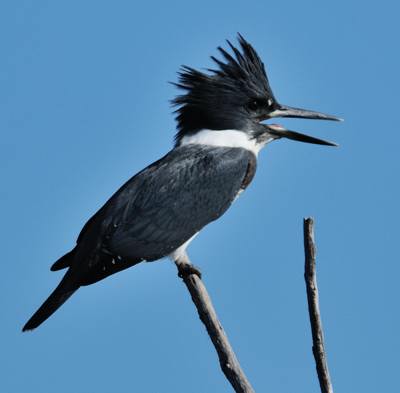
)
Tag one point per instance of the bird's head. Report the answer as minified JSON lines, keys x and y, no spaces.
{"x":235,"y":96}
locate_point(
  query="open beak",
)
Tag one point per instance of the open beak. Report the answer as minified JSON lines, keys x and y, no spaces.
{"x":287,"y":111}
{"x":278,"y":131}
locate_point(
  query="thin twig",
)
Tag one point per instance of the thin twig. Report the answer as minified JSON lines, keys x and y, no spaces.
{"x":313,"y":308}
{"x":227,"y":358}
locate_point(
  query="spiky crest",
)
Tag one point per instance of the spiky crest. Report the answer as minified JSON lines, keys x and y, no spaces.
{"x":213,"y":100}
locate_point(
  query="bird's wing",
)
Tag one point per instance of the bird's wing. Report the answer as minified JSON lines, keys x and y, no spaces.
{"x":171,"y":200}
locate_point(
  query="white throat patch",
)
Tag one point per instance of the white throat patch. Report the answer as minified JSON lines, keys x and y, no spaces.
{"x":223,"y":138}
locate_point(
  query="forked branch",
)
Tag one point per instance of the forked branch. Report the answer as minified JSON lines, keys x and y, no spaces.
{"x":227,"y":358}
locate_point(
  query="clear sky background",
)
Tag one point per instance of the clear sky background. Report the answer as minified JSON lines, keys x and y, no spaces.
{"x":84,"y":105}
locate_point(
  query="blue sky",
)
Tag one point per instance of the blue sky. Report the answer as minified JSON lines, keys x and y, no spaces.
{"x":84,"y":105}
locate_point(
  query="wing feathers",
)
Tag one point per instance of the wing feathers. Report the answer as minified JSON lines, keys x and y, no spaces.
{"x":191,"y":187}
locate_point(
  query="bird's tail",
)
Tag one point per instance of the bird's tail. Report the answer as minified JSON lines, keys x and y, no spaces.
{"x":59,"y":296}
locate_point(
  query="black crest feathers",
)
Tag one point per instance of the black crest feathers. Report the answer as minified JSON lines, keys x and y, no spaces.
{"x":213,"y":99}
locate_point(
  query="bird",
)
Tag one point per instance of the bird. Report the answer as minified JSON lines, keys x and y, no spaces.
{"x":157,"y":213}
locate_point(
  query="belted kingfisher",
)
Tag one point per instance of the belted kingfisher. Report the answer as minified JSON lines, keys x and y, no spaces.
{"x":161,"y":209}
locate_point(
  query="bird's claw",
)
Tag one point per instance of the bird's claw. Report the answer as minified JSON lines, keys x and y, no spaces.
{"x":186,"y":269}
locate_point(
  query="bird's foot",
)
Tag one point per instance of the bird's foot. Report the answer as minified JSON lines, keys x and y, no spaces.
{"x":186,"y":269}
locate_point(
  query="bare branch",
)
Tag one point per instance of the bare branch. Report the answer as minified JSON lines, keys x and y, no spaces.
{"x":313,"y":308}
{"x":227,"y":358}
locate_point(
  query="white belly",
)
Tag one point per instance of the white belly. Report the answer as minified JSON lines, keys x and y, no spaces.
{"x":181,"y":250}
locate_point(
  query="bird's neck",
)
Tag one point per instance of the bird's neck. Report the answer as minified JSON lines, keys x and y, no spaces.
{"x":225,"y":138}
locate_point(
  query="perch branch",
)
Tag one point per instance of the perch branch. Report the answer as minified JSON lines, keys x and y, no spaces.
{"x":313,"y":308}
{"x":227,"y":358}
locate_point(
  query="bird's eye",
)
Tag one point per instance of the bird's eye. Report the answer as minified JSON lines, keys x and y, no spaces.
{"x":254,"y":105}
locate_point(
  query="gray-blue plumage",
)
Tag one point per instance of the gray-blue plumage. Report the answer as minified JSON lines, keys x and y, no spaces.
{"x":160,"y":208}
{"x":170,"y":201}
